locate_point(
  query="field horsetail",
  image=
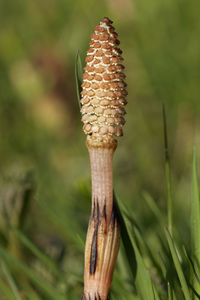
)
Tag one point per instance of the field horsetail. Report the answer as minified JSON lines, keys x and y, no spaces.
{"x":103,"y":99}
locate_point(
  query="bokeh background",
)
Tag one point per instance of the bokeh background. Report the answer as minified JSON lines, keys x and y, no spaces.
{"x":43,"y":156}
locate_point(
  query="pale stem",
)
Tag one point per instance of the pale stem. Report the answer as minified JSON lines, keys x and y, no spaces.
{"x":101,"y":160}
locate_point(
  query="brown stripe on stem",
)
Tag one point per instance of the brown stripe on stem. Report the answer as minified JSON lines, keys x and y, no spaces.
{"x":92,"y":297}
{"x":94,"y":253}
{"x":104,"y":211}
{"x":102,"y":247}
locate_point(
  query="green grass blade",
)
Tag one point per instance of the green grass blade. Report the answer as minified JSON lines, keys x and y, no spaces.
{"x":171,"y":294}
{"x":31,"y":294}
{"x":154,"y":208}
{"x":129,"y":250}
{"x":177,"y":265}
{"x":162,"y":265}
{"x":45,"y":287}
{"x":142,"y":277}
{"x":195,"y":226}
{"x":118,"y":287}
{"x":193,"y":270}
{"x":10,"y":280}
{"x":167,"y":174}
{"x":146,"y":251}
{"x":81,"y":241}
{"x":5,"y":291}
{"x":155,"y":293}
{"x":63,"y":224}
{"x":39,"y":254}
{"x":78,"y":76}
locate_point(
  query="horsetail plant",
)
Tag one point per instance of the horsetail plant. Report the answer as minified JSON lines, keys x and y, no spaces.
{"x":103,"y":99}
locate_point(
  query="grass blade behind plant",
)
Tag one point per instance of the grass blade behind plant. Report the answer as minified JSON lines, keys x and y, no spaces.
{"x":171,"y":294}
{"x":45,"y":287}
{"x":130,"y":254}
{"x":153,"y":264}
{"x":162,"y":265}
{"x":156,"y":296}
{"x":78,"y":76}
{"x":6,"y":291}
{"x":142,"y":278}
{"x":31,"y":294}
{"x":154,"y":208}
{"x":195,"y":227}
{"x":10,"y":280}
{"x":193,"y":270}
{"x":177,"y":265}
{"x":39,"y":254}
{"x":167,"y":174}
{"x":66,"y":227}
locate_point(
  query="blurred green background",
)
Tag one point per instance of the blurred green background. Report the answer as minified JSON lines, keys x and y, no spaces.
{"x":42,"y":145}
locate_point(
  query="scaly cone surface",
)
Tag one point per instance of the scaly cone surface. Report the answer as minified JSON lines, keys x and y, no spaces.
{"x":103,"y":94}
{"x":103,"y":100}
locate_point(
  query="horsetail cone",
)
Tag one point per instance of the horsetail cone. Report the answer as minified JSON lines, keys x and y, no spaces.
{"x":103,"y":99}
{"x":103,"y":94}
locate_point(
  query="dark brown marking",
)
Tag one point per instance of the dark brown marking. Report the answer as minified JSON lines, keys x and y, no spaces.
{"x":97,"y":210}
{"x":93,"y":213}
{"x":104,"y":211}
{"x":94,"y":254}
{"x":114,"y":216}
{"x":112,"y":219}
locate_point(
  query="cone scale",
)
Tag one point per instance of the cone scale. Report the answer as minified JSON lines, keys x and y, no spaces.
{"x":103,"y":99}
